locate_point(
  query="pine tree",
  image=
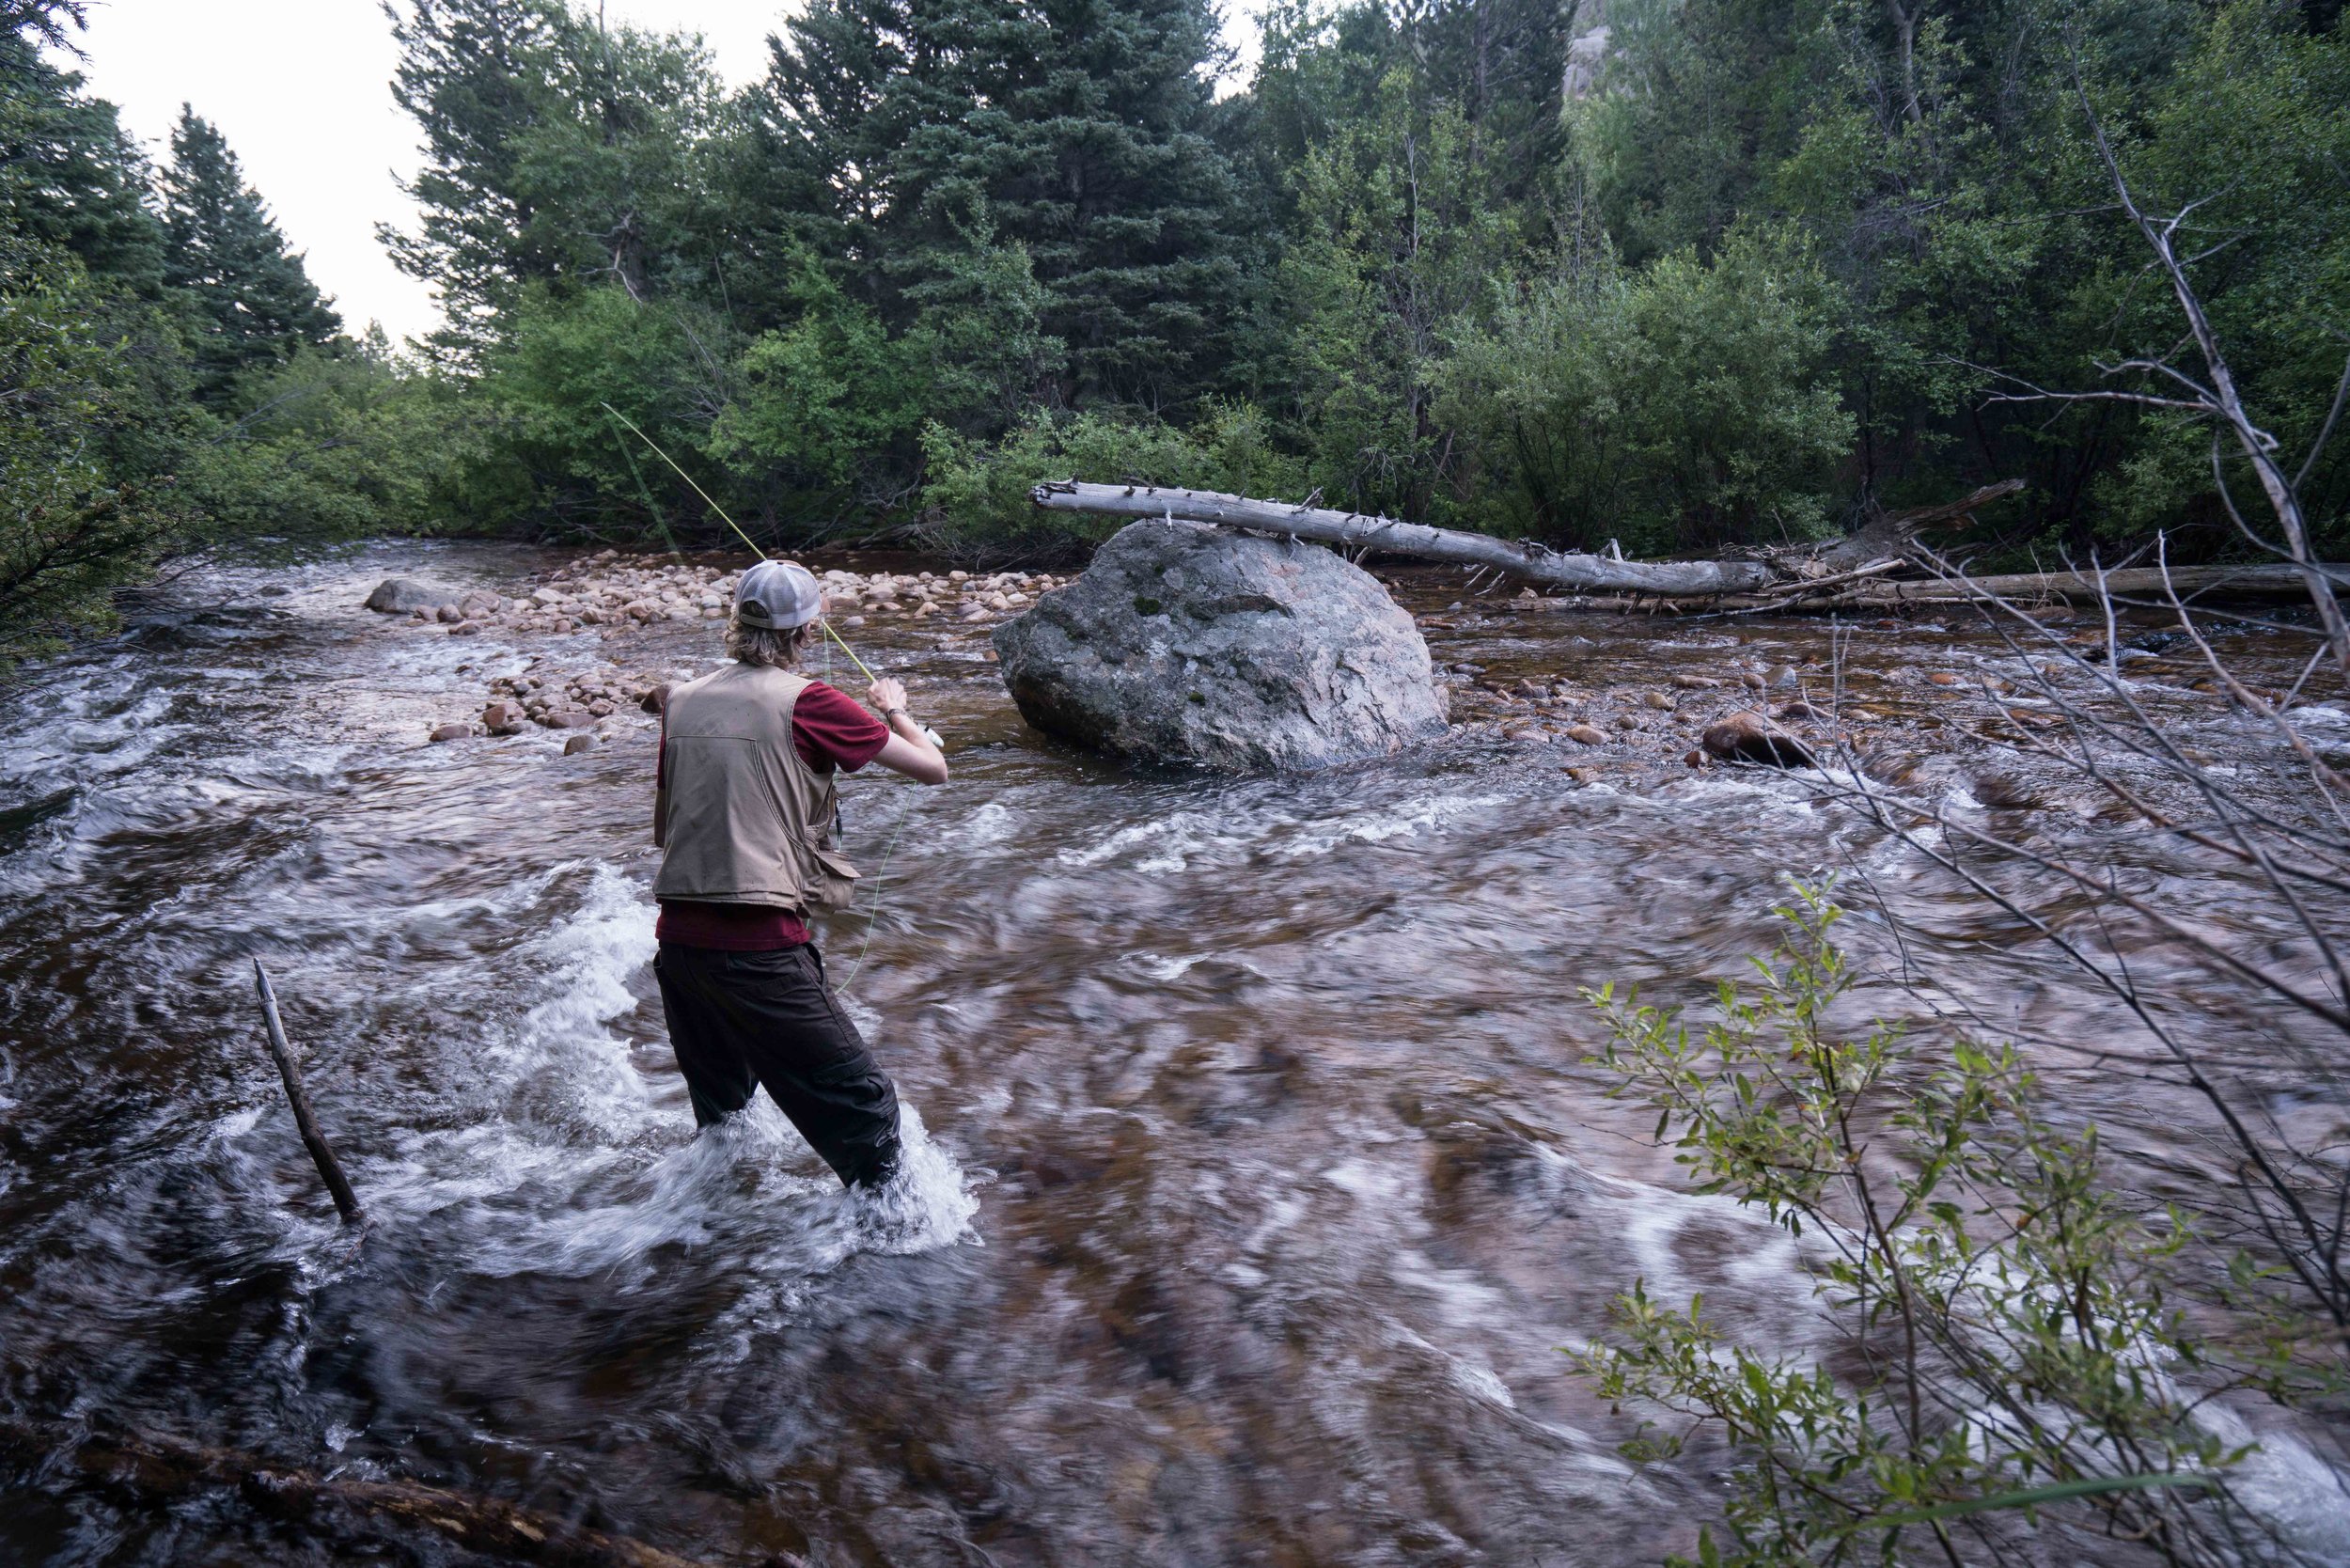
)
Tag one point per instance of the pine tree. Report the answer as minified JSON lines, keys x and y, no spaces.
{"x":1076,"y":130}
{"x":254,"y":299}
{"x":69,"y":176}
{"x":475,"y":75}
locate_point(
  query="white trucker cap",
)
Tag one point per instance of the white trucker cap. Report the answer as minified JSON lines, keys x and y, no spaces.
{"x":778,"y":595}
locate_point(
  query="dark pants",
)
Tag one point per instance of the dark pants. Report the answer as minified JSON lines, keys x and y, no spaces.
{"x":740,"y":1020}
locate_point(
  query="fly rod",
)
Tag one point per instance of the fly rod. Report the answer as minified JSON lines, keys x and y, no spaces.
{"x":824,"y":621}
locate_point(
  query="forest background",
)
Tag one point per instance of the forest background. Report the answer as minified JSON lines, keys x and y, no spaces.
{"x":1679,"y":274}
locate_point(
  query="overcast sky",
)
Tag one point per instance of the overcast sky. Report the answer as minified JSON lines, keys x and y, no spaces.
{"x":301,"y":89}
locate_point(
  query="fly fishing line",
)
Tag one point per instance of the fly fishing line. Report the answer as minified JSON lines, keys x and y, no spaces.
{"x":872,"y":916}
{"x":730,"y":522}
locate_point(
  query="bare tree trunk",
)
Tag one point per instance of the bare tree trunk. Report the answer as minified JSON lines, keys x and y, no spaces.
{"x":1531,"y":562}
{"x":1877,"y":548}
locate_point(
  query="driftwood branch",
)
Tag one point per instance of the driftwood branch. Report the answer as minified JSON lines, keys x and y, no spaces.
{"x":147,"y":1470}
{"x":321,"y":1153}
{"x":1873,"y":549}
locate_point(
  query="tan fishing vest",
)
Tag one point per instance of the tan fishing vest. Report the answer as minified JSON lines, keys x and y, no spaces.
{"x":740,"y":816}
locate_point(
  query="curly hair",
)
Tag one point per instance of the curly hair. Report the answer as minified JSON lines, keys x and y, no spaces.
{"x":764,"y":645}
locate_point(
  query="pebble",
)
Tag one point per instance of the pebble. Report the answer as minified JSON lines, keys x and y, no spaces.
{"x":1587,"y":734}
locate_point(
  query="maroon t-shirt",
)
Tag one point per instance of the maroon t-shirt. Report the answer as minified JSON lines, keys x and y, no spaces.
{"x":829,"y":730}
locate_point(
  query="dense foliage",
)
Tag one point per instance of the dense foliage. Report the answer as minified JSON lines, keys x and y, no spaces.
{"x":1676,"y":273}
{"x":169,"y":376}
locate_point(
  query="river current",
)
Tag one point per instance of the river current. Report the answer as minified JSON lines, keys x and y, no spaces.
{"x":1261,"y":1179}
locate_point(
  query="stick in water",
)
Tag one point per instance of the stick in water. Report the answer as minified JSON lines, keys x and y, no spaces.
{"x":346,"y":1202}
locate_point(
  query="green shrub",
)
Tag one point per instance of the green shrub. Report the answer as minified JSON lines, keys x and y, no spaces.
{"x":1685,"y":406}
{"x":2012,"y":1315}
{"x":340,"y":444}
{"x":979,"y":492}
{"x":72,"y":526}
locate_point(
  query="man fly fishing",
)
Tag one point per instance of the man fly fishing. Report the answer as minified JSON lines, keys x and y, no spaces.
{"x":744,"y":812}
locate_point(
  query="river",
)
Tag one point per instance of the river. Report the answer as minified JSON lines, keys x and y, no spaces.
{"x":1260,"y":1178}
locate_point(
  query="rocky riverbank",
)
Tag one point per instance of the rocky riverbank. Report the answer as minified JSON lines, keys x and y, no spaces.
{"x":588,"y":656}
{"x":614,"y":596}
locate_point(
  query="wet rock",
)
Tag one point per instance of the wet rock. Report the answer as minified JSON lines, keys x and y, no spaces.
{"x":570,"y":718}
{"x":1943,"y":678}
{"x":578,"y":744}
{"x":465,"y":629}
{"x":1184,"y":643}
{"x":449,"y":614}
{"x":1802,"y":709}
{"x":1659,"y":701}
{"x":504,"y":718}
{"x":405,"y":595}
{"x":451,"y":733}
{"x":2004,"y":793}
{"x":1780,"y":678}
{"x":1587,"y":734}
{"x":1696,"y":683}
{"x":1750,"y":737}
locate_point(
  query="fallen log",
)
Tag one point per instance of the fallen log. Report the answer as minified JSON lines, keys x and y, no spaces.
{"x":2247,"y":582}
{"x":1876,"y":548}
{"x":1852,"y":573}
{"x":1518,"y":557}
{"x":147,"y":1470}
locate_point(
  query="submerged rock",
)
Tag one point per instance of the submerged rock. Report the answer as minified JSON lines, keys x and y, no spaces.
{"x":1748,"y":737}
{"x":1183,"y":643}
{"x":402,"y":595}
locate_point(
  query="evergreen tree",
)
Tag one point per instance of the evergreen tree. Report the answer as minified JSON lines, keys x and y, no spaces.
{"x":1078,"y":130}
{"x":69,"y":176}
{"x":254,"y":301}
{"x":475,"y":75}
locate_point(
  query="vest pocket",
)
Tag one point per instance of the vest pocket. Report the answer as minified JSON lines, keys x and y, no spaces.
{"x":831,"y":881}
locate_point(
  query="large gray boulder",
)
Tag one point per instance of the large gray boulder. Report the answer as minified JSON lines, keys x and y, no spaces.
{"x":1183,"y":643}
{"x":400,"y":595}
